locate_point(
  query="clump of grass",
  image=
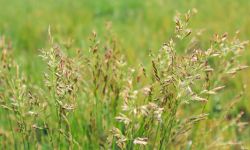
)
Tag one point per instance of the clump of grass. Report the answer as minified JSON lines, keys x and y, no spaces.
{"x":20,"y":101}
{"x":176,"y":81}
{"x":95,"y":100}
{"x":62,"y":80}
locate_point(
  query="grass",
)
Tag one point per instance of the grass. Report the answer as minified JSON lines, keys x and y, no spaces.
{"x":64,"y":89}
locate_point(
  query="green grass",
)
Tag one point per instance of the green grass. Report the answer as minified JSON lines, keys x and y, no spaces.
{"x":138,"y":27}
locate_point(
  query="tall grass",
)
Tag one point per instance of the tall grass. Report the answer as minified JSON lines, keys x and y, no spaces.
{"x":92,"y":99}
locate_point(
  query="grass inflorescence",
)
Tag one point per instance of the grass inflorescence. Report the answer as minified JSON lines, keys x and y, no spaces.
{"x":94,"y":99}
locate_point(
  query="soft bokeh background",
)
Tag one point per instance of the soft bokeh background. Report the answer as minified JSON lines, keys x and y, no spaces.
{"x":139,"y":25}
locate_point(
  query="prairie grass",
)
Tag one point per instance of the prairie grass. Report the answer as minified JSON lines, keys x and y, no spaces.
{"x":94,"y":99}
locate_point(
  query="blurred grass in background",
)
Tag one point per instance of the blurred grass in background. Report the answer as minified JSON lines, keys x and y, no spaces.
{"x":140,"y":25}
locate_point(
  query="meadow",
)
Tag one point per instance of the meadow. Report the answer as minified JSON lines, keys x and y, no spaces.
{"x":124,"y":74}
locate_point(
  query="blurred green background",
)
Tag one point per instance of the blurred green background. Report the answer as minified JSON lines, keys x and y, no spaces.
{"x":139,"y":25}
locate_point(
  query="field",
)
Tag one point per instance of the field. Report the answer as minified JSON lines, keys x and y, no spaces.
{"x":113,"y":74}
